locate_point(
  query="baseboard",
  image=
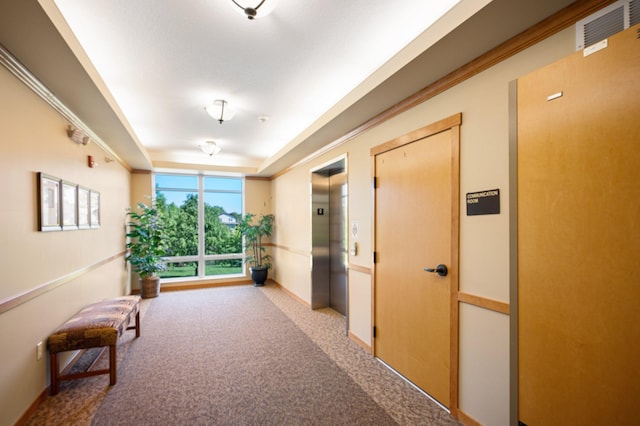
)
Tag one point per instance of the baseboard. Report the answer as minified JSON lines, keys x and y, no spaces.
{"x":165,"y":288}
{"x":466,"y":419}
{"x":169,"y":287}
{"x":290,"y":293}
{"x":361,"y":343}
{"x":32,"y":408}
{"x":43,"y":395}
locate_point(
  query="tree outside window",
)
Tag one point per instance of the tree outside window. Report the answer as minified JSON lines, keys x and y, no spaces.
{"x":200,"y":213}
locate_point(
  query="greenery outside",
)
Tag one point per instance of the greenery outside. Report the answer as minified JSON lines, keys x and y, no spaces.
{"x":181,"y":237}
{"x":190,"y":269}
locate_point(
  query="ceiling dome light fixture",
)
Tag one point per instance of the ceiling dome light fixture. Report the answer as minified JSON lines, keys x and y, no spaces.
{"x":210,"y":148}
{"x":220,"y":110}
{"x":251,"y":11}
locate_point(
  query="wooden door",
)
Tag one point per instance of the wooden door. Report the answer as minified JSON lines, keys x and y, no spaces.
{"x":414,"y":225}
{"x":579,"y":238}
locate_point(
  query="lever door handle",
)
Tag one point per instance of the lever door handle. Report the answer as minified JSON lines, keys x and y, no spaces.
{"x":440,"y":270}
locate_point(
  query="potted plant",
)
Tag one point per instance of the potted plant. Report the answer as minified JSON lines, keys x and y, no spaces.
{"x":146,"y":247}
{"x":254,"y":228}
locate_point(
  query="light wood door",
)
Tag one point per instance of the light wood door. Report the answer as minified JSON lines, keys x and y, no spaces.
{"x":579,"y":238}
{"x":413,"y":230}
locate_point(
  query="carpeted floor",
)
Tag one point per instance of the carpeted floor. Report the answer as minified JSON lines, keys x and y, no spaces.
{"x":240,"y":356}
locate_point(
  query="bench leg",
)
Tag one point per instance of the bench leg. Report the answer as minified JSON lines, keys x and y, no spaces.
{"x":138,"y":324}
{"x":54,"y":387}
{"x":113,"y":373}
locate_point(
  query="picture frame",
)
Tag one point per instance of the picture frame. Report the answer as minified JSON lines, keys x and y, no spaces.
{"x":94,"y":206}
{"x":84,"y":212}
{"x":69,"y":205}
{"x":49,"y":195}
{"x":66,"y":206}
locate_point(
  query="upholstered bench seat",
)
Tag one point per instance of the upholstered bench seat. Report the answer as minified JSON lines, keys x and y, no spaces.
{"x":97,"y":325}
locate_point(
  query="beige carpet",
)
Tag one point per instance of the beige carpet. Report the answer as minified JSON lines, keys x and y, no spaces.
{"x":277,"y":363}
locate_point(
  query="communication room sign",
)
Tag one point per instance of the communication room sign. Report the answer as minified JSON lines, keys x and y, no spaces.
{"x":483,"y":202}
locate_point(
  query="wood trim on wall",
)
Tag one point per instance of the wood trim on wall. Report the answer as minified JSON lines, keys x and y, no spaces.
{"x":358,"y":268}
{"x":210,"y":284}
{"x":14,"y":301}
{"x":292,"y":294}
{"x":537,"y":33}
{"x":289,"y":249}
{"x":33,"y":407}
{"x":467,"y":420}
{"x":360,"y":343}
{"x":484,"y":302}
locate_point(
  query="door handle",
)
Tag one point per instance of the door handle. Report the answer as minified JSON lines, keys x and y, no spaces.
{"x":440,"y":269}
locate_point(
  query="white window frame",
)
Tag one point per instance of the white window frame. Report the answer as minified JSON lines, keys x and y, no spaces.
{"x":201,"y":258}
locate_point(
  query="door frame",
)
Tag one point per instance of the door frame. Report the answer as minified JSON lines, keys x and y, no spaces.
{"x":513,"y":252}
{"x":452,"y":123}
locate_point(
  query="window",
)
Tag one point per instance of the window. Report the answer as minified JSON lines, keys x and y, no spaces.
{"x":200,"y":214}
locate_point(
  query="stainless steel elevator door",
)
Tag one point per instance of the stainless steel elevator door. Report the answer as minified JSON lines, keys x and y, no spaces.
{"x":337,"y":242}
{"x":321,"y":265}
{"x":329,"y":238}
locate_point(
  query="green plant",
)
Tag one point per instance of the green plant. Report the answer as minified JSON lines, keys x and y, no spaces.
{"x":146,"y":245}
{"x":254,"y":228}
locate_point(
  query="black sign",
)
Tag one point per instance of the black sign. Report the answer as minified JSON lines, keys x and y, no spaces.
{"x":483,"y":202}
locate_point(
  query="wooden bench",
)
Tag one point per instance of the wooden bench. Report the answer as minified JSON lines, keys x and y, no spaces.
{"x":97,"y":325}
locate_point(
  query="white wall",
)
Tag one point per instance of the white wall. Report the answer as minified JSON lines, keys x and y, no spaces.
{"x":484,"y":240}
{"x":33,"y":139}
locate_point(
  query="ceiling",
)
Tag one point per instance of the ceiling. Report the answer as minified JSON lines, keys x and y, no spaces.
{"x":139,"y":73}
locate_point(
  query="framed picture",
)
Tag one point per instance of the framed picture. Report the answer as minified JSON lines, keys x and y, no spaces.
{"x":84,"y":213}
{"x":63,"y":205}
{"x":49,"y":214}
{"x":94,"y":206}
{"x":69,"y":205}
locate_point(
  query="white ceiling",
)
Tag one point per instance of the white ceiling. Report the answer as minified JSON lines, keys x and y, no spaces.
{"x":163,"y":61}
{"x":139,"y":73}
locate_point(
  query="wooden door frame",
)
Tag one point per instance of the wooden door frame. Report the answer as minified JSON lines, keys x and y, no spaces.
{"x":513,"y":253}
{"x":452,"y":123}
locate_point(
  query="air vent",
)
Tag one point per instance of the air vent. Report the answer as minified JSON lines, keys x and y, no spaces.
{"x":634,"y":13}
{"x":607,"y":22}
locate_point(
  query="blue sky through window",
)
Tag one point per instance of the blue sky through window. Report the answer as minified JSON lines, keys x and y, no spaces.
{"x":225,"y":192}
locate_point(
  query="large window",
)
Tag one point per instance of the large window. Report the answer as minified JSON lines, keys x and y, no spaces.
{"x":201,"y":213}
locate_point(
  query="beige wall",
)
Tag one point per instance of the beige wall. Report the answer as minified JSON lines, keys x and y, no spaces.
{"x":484,"y":240}
{"x":33,"y":139}
{"x":141,"y":191}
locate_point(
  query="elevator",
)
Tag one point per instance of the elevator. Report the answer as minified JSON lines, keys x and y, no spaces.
{"x":329,"y":284}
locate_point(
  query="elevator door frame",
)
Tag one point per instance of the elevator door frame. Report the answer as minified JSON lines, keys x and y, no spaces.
{"x":320,"y":291}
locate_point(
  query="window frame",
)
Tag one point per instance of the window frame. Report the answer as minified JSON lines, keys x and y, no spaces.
{"x":201,"y":257}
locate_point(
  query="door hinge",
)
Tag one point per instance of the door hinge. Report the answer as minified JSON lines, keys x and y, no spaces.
{"x":375,"y":256}
{"x":374,"y":331}
{"x":375,"y":182}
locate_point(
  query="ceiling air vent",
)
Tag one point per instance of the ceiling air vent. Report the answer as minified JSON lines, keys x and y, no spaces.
{"x":607,"y":22}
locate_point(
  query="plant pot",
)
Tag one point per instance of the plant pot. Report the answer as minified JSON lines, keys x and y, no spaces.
{"x":259,"y":275}
{"x":149,"y":287}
